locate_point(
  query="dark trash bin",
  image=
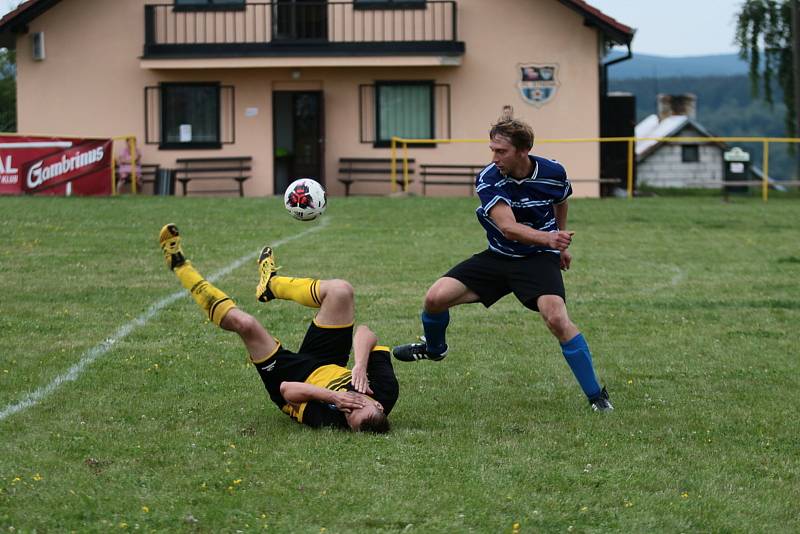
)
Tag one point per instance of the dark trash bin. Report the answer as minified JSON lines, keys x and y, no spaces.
{"x":165,"y":182}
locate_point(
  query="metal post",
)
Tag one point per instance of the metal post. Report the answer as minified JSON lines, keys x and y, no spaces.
{"x":454,"y":12}
{"x":405,"y":167}
{"x":113,"y":171}
{"x":765,"y":164}
{"x":630,"y":167}
{"x":796,"y":75}
{"x":149,"y":27}
{"x":134,"y":172}
{"x":393,"y":174}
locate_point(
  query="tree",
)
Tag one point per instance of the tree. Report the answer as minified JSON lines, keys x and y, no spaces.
{"x":8,"y":91}
{"x":770,"y":29}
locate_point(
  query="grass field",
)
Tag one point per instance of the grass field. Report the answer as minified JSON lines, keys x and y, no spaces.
{"x":122,"y":408}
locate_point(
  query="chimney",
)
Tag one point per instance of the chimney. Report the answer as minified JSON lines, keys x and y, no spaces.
{"x":669,"y":105}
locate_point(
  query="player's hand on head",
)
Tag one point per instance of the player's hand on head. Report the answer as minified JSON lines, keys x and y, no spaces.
{"x":360,"y":381}
{"x":347,"y":401}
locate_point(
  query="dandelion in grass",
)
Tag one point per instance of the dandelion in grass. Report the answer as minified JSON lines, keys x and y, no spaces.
{"x":685,"y":495}
{"x":37,"y":477}
{"x":145,"y":509}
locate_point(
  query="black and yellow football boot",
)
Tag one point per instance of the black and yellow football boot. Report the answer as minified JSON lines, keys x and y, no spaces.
{"x":170,"y":240}
{"x":266,"y":270}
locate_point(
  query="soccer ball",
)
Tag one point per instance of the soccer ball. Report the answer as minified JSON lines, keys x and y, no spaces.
{"x":305,"y":199}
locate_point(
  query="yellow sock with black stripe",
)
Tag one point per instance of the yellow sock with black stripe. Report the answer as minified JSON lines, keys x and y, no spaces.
{"x":213,"y":301}
{"x":304,"y":291}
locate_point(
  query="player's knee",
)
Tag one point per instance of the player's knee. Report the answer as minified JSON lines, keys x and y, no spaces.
{"x":558,"y":323}
{"x":435,"y":300}
{"x":339,"y":290}
{"x":241,"y":323}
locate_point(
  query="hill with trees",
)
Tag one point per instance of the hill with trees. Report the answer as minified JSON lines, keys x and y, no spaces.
{"x":649,"y":66}
{"x":725,"y":107}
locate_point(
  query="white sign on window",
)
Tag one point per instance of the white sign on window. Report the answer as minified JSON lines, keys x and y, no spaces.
{"x":250,"y":112}
{"x":737,"y":167}
{"x":185,"y":133}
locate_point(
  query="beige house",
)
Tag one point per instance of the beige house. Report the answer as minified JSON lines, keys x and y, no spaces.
{"x":298,"y":85}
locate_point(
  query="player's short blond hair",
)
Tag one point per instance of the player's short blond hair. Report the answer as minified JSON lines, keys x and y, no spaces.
{"x":519,"y":133}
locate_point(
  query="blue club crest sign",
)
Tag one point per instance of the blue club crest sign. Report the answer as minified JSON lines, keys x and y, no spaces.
{"x":538,"y":82}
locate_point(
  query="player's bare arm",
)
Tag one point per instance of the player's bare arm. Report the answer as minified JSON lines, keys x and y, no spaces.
{"x":561,"y":214}
{"x":299,"y":392}
{"x":561,"y":221}
{"x":503,"y":217}
{"x":364,"y":341}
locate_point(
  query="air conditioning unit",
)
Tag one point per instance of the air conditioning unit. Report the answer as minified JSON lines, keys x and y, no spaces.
{"x":38,"y":46}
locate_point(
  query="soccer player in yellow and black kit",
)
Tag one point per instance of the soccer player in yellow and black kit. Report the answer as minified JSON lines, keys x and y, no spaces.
{"x":313,"y":385}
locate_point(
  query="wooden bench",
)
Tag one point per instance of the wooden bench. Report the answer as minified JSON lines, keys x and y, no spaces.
{"x":450,"y":174}
{"x":236,"y":169}
{"x":353,"y":170}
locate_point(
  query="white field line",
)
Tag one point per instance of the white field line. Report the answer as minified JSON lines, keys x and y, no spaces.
{"x":97,"y":351}
{"x":678,"y":277}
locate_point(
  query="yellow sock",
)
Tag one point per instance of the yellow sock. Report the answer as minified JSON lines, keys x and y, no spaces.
{"x":304,"y":291}
{"x":212,"y":300}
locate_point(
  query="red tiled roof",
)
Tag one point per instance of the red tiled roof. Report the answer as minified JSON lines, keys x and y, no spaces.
{"x":14,"y":12}
{"x":24,"y":13}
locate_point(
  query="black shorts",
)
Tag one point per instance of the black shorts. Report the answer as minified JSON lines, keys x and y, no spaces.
{"x":493,"y":276}
{"x":327,"y":346}
{"x":321,"y":346}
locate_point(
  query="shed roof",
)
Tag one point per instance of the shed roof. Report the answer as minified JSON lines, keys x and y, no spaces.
{"x":651,"y":127}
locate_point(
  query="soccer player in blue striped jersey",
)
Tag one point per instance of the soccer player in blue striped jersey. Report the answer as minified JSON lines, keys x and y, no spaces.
{"x":524,"y":212}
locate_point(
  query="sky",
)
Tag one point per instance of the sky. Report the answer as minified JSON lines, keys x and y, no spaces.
{"x":7,"y":5}
{"x":677,"y":28}
{"x":672,"y":28}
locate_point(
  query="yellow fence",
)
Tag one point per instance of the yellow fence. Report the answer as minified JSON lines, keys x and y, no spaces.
{"x":631,"y":141}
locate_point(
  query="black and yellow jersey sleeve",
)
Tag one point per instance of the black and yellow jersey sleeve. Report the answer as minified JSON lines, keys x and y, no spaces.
{"x":315,"y":413}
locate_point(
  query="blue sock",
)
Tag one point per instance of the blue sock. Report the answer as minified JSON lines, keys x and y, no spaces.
{"x":435,"y":326}
{"x":577,"y":354}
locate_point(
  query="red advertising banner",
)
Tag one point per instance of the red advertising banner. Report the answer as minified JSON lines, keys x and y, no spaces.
{"x":55,"y":165}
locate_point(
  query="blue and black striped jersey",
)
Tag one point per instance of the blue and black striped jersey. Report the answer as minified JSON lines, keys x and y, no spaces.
{"x":531,"y":199}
